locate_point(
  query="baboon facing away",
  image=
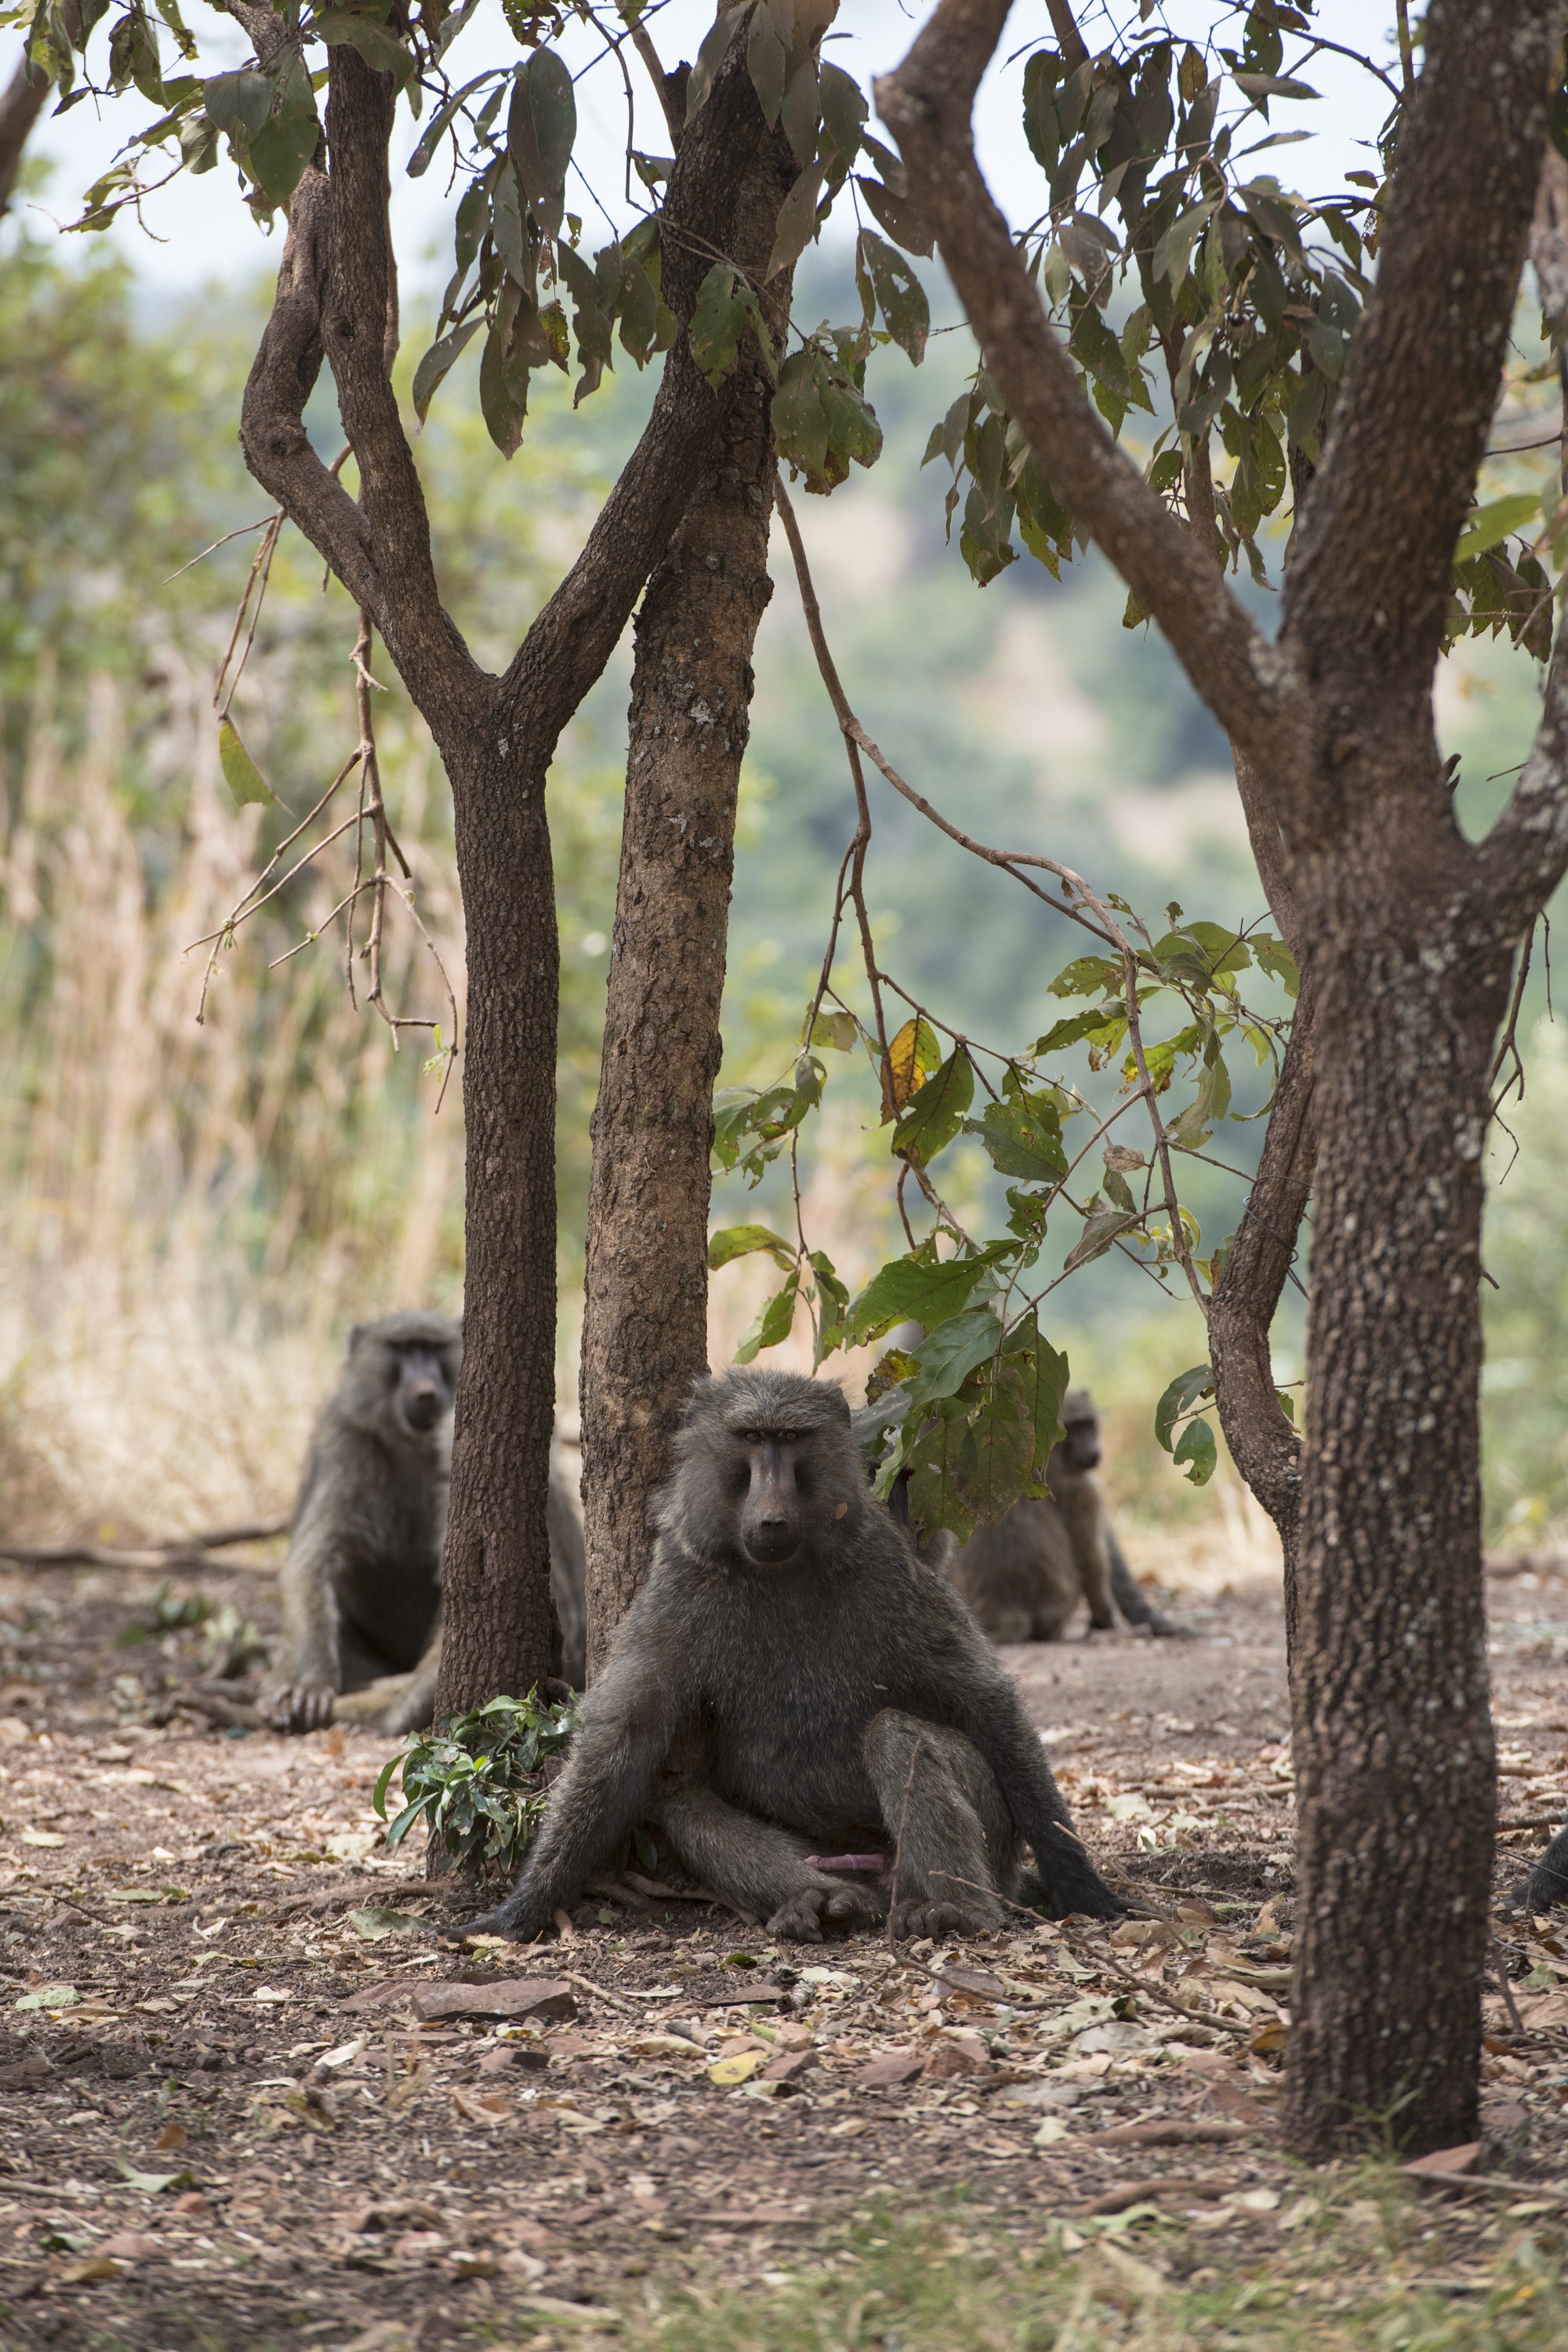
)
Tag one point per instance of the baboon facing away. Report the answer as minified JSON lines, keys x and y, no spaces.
{"x":792,"y":1692}
{"x":362,"y":1586}
{"x":1025,"y":1577}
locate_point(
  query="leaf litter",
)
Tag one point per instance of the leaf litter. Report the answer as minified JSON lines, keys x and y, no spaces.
{"x":376,"y":2129}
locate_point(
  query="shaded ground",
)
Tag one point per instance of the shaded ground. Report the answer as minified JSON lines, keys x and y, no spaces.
{"x":224,"y":2119}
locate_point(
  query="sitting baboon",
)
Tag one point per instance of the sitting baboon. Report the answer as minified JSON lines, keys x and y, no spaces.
{"x":793,"y":1685}
{"x":362,"y":1585}
{"x":1025,"y":1577}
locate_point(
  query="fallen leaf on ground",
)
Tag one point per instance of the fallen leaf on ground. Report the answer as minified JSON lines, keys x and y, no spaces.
{"x":374,"y":1924}
{"x":727,"y":2072}
{"x":1445,"y":2163}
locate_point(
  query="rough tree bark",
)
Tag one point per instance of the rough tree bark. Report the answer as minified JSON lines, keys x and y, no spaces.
{"x":644,"y":1332}
{"x":1409,"y":932}
{"x":336,"y":299}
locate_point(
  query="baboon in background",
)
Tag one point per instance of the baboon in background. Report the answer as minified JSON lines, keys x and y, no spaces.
{"x":362,"y":1586}
{"x":1025,"y":1577}
{"x":793,"y":1696}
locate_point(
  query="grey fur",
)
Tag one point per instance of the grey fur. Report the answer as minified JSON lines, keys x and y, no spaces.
{"x":1025,"y":1577}
{"x":1547,"y":1884}
{"x":362,"y":1586}
{"x":764,"y":1714}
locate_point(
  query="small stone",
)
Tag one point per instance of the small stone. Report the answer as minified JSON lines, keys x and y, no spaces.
{"x":958,"y":2053}
{"x":884,"y":2073}
{"x":192,"y":2203}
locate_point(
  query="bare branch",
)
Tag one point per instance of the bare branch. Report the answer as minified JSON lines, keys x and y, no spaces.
{"x":927,"y":105}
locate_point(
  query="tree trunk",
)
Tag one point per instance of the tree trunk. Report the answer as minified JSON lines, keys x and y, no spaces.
{"x":645,"y":1330}
{"x":1392,"y":1735}
{"x":499,"y":1624}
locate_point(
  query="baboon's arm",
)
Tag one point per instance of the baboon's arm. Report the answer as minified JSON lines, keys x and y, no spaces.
{"x":309,"y":1668}
{"x":1077,"y":1497}
{"x":990,"y":1713}
{"x":629,"y":1720}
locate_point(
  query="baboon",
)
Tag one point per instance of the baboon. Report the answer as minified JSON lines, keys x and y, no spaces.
{"x":362,"y":1586}
{"x":1548,"y":1882}
{"x":1024,"y":1578}
{"x":792,"y":1687}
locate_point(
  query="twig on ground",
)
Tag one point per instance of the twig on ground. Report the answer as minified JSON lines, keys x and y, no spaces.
{"x":1162,"y":2184}
{"x":1156,"y":1992}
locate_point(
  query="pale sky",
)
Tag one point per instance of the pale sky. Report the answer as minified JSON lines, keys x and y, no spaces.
{"x":207,"y":235}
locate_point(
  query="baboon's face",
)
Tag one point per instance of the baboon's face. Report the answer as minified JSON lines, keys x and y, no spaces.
{"x":421,"y":1387}
{"x":1081,"y":1441}
{"x":774,"y":1482}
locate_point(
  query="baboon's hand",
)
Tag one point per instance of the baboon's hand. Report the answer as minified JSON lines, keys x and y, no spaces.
{"x":300,"y":1706}
{"x":521,"y":1919}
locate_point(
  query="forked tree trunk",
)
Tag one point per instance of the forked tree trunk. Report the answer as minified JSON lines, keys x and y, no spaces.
{"x":1392,"y":1735}
{"x":501,"y":1637}
{"x":644,"y":1331}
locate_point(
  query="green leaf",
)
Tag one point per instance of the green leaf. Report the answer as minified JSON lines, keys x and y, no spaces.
{"x":899,"y":216}
{"x":843,"y":111}
{"x":1039,"y":1373}
{"x":1491,"y":523}
{"x":240,"y":100}
{"x":341,"y":27}
{"x":383,"y":1781}
{"x":935,"y":1113}
{"x":243,"y":777}
{"x":797,"y":222}
{"x":541,"y":129}
{"x":766,"y":63}
{"x":839,"y":1030}
{"x":1197,"y":1453}
{"x":375,"y":1923}
{"x":151,"y":2184}
{"x":286,"y":142}
{"x":1274,"y":958}
{"x":504,"y":375}
{"x":800,"y":422}
{"x":1023,"y":1134}
{"x":711,"y":57}
{"x":439,"y":124}
{"x":1102,"y":1022}
{"x":437,"y":360}
{"x":913,"y":1290}
{"x":1178,"y":1397}
{"x":742,"y":1241}
{"x":899,"y":294}
{"x":1088,"y":975}
{"x":773,"y":1322}
{"x":1099,"y":1230}
{"x":725,"y":308}
{"x":948,"y":1355}
{"x":1262,"y":85}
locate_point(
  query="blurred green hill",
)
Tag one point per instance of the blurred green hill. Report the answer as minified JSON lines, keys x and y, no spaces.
{"x":167,"y":1191}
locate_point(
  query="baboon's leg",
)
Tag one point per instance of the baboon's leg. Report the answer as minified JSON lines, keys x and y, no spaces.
{"x":1134,"y":1602}
{"x":957,"y":1845}
{"x":758,"y":1868}
{"x":396,"y":1702}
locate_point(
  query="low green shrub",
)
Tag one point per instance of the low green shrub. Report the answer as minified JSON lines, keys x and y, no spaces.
{"x":478,"y":1781}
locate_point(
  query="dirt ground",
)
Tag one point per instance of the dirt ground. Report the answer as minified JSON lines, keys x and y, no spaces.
{"x":245,"y":2098}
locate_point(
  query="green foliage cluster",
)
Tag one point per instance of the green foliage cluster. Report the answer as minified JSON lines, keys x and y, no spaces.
{"x":971,"y":1412}
{"x":478,"y":1781}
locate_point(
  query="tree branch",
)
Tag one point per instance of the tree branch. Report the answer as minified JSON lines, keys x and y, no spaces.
{"x":1369,"y":579}
{"x":926,"y":105}
{"x":1266,"y":1450}
{"x":1523,"y":857}
{"x":571,"y":640}
{"x":24,"y":101}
